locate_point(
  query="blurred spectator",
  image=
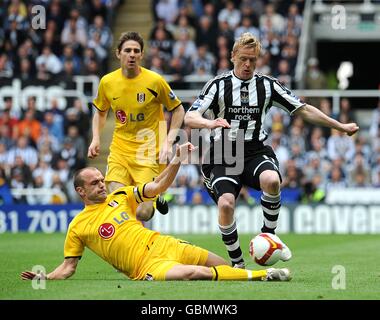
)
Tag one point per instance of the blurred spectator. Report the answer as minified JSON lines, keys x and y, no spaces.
{"x":204,"y":60}
{"x":283,"y":74}
{"x":271,"y":20}
{"x":31,"y":104}
{"x":6,"y":67}
{"x":104,"y":31}
{"x":315,"y":79}
{"x":74,"y":34}
{"x":206,"y":33}
{"x":30,"y":126}
{"x":45,"y":171}
{"x":312,"y":193}
{"x":375,"y":121}
{"x":340,"y":145}
{"x":183,"y":26}
{"x":187,"y":176}
{"x":23,"y":151}
{"x":246,"y":26}
{"x":230,"y":15}
{"x":49,"y":60}
{"x":293,"y":176}
{"x":167,"y":10}
{"x":69,"y":55}
{"x":55,"y":127}
{"x":359,"y":171}
{"x":336,"y":179}
{"x":78,"y":142}
{"x":7,"y":121}
{"x":245,"y":198}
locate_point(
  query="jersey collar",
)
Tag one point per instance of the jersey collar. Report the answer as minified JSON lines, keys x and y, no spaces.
{"x":245,"y":81}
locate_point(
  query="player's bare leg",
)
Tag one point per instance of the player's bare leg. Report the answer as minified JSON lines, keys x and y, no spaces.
{"x":224,"y":272}
{"x":113,"y":185}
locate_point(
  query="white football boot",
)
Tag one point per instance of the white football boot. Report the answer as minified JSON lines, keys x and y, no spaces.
{"x":278,"y":275}
{"x":240,"y":265}
{"x":286,"y":254}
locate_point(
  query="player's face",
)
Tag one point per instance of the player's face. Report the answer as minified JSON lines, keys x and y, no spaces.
{"x":94,"y":188}
{"x":130,"y":55}
{"x":244,"y":60}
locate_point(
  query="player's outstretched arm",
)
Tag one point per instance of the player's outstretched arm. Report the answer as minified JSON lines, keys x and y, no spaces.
{"x":63,"y":271}
{"x":175,"y":123}
{"x":315,"y":116}
{"x":98,"y":122}
{"x":194,"y":119}
{"x":166,"y":178}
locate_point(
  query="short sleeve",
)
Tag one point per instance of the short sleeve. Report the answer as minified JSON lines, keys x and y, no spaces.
{"x":73,"y":245}
{"x":167,"y":97}
{"x":101,"y":102}
{"x":285,"y":99}
{"x":206,"y":99}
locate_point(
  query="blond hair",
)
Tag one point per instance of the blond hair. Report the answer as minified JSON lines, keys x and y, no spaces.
{"x":247,"y":40}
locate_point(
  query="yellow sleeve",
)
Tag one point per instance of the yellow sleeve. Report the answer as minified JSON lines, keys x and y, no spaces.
{"x":101,"y":102}
{"x":167,"y":96}
{"x":73,"y":245}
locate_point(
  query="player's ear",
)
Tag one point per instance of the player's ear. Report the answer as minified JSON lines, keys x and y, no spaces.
{"x":232,"y":57}
{"x":80,"y":191}
{"x":117,"y":53}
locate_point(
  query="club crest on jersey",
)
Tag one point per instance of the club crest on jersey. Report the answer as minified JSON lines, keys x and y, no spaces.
{"x":121,"y":116}
{"x":140,"y":97}
{"x":113,"y":204}
{"x":106,"y":230}
{"x":244,"y":97}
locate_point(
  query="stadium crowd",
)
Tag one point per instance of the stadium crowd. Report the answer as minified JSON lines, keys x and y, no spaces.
{"x":189,"y":38}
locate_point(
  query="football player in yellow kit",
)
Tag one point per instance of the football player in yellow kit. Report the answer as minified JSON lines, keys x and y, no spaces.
{"x":140,"y":145}
{"x":108,"y":226}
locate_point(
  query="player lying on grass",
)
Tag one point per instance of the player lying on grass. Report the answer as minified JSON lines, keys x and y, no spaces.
{"x":108,"y":226}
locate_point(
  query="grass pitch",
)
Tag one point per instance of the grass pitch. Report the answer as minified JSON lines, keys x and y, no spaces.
{"x":320,"y":262}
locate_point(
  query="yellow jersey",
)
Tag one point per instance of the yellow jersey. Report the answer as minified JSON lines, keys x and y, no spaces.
{"x":111,"y":231}
{"x":137,"y":106}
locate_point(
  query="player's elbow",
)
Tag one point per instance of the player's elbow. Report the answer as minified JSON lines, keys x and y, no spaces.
{"x":189,"y":119}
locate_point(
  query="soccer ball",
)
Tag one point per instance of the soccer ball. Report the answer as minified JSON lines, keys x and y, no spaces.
{"x":265,"y":249}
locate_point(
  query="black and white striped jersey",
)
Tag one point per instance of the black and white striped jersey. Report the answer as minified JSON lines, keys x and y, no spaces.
{"x":243,"y":103}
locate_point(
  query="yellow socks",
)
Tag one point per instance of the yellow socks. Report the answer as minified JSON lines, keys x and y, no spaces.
{"x":229,"y":273}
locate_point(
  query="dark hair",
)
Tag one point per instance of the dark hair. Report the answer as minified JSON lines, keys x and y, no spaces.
{"x":130,"y":35}
{"x":77,"y":178}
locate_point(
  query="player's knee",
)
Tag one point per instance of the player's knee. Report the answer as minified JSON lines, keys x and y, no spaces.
{"x":226,"y":203}
{"x":270,"y":182}
{"x":144,"y":213}
{"x":197,"y":273}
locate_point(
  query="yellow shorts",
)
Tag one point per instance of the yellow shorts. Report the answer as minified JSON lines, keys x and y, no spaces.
{"x":165,"y":253}
{"x":128,"y":172}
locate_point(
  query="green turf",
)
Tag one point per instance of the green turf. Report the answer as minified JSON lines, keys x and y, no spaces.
{"x":314,"y":256}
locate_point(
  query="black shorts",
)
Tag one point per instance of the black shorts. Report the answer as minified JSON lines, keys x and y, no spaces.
{"x":218,"y":179}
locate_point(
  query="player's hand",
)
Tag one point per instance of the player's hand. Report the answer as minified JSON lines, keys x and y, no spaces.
{"x":166,"y":153}
{"x":29,"y":275}
{"x":93,"y":149}
{"x":350,"y":128}
{"x":183,"y":151}
{"x":219,"y":122}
